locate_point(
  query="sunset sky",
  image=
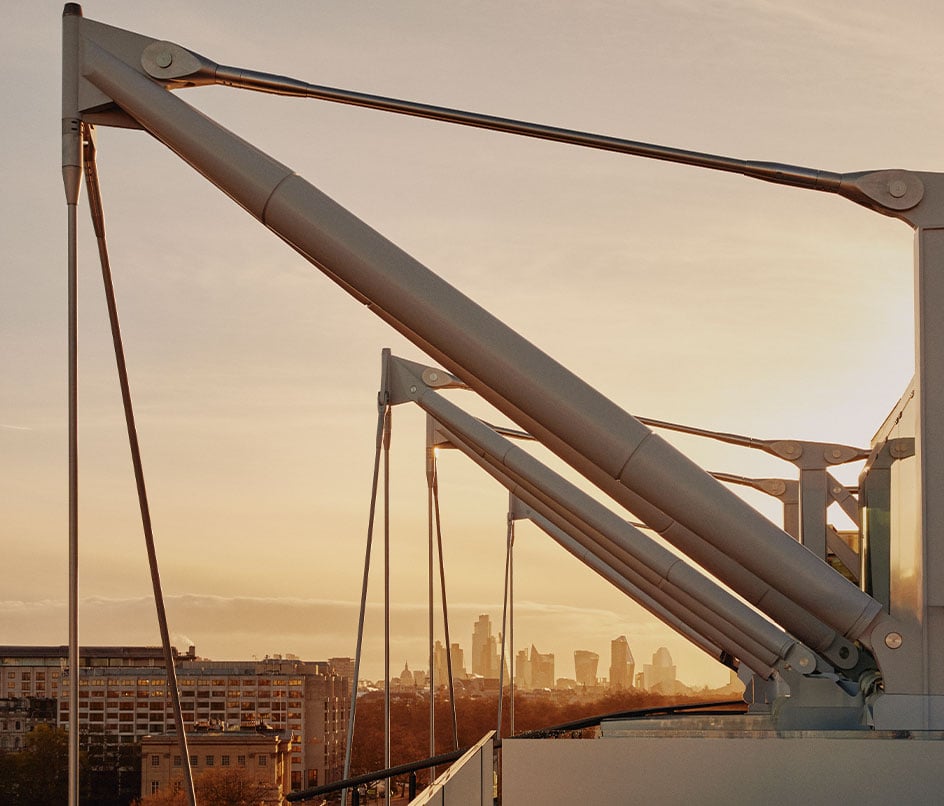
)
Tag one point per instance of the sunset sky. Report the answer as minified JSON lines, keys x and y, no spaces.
{"x":684,"y":295}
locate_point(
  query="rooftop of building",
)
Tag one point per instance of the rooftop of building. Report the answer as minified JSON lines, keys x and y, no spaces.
{"x":116,"y":658}
{"x":150,"y":652}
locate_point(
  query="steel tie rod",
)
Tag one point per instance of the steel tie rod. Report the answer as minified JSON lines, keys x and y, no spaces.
{"x":178,"y":66}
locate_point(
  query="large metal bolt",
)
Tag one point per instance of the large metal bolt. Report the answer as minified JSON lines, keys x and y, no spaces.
{"x":893,"y":640}
{"x":164,"y":58}
{"x":898,"y":188}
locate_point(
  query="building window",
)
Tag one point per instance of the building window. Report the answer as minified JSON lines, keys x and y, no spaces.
{"x":155,"y":786}
{"x":155,"y":761}
{"x":296,"y":779}
{"x":193,"y":761}
{"x":178,"y":761}
{"x":224,"y":760}
{"x":263,"y":761}
{"x":240,"y":761}
{"x":209,"y":761}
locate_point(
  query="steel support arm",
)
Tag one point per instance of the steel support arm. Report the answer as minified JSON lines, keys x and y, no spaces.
{"x":570,"y":417}
{"x":690,"y":623}
{"x":630,"y":548}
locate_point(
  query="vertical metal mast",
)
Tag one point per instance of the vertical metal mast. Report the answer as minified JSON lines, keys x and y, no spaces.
{"x":72,"y":177}
{"x":72,"y":212}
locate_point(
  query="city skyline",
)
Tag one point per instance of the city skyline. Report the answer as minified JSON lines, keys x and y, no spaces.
{"x":688,"y":296}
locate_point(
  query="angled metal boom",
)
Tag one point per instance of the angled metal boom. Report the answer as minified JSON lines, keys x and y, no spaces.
{"x":597,"y":437}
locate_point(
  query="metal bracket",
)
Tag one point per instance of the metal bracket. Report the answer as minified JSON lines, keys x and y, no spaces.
{"x":403,"y":377}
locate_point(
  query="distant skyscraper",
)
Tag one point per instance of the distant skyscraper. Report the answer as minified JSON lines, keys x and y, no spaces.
{"x":485,"y":658}
{"x":660,"y":674}
{"x":542,"y":669}
{"x":481,"y":633}
{"x":458,"y":662}
{"x":585,"y":667}
{"x":523,"y":671}
{"x":441,"y":666}
{"x":622,"y":664}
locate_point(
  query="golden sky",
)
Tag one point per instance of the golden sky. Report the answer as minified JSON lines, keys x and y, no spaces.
{"x":684,"y":295}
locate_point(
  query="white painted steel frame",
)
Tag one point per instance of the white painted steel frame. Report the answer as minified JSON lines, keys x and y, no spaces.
{"x":104,"y":83}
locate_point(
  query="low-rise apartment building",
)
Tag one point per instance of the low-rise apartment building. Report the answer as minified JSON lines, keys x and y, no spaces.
{"x":123,"y":697}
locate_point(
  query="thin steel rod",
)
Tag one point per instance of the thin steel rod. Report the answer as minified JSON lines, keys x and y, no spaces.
{"x":445,"y":610}
{"x":504,"y":634}
{"x":768,"y":171}
{"x":98,"y":222}
{"x":511,"y":623}
{"x":386,"y":446}
{"x":349,"y":742}
{"x":429,"y":569}
{"x":73,"y":414}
